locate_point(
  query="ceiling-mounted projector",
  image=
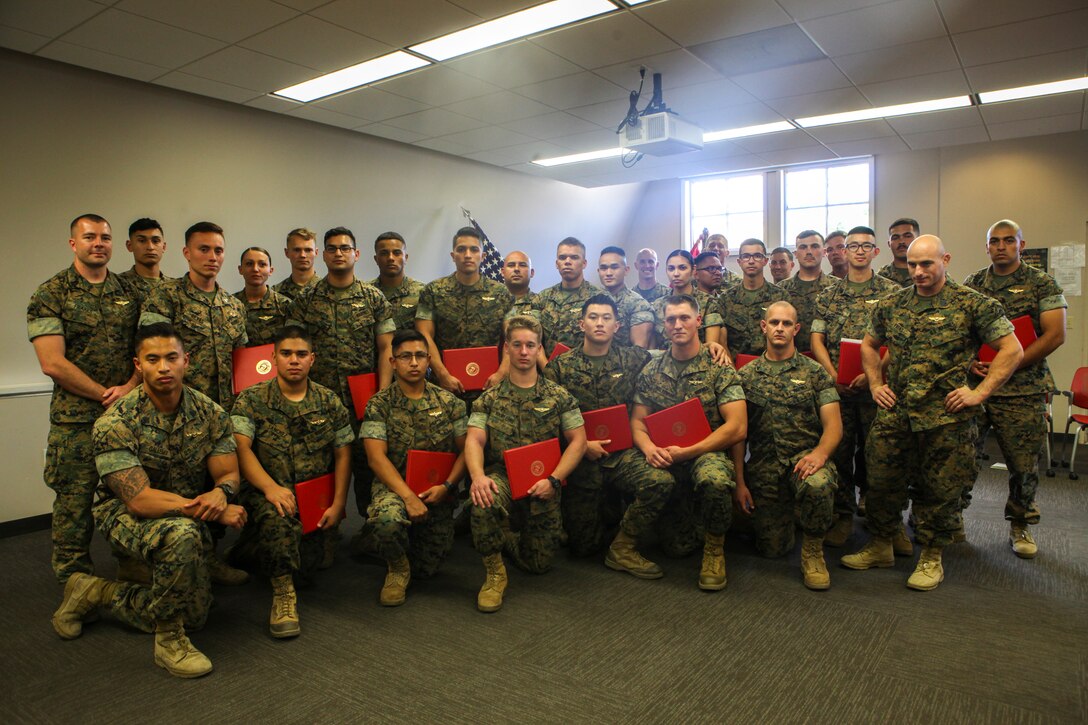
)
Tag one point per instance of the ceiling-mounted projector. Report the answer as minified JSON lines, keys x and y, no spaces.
{"x":662,"y":134}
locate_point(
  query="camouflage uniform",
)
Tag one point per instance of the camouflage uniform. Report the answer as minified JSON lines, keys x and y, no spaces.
{"x":931,"y":342}
{"x":526,"y":305}
{"x":1016,"y":411}
{"x":706,"y":482}
{"x":741,"y":311}
{"x":290,"y":290}
{"x":784,"y":402}
{"x":404,"y":298}
{"x":432,"y":423}
{"x":143,"y":284}
{"x":631,"y":310}
{"x":210,"y":329}
{"x":173,"y":451}
{"x":707,"y":308}
{"x":514,"y":417}
{"x":658,"y":290}
{"x":899,"y":275}
{"x":802,"y":295}
{"x":294,"y":442}
{"x":601,"y":383}
{"x":729,"y":279}
{"x":265,"y":316}
{"x":98,"y":326}
{"x":842,"y":312}
{"x":560,"y":313}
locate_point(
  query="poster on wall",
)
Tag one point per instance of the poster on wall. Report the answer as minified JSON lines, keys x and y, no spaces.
{"x":1037,"y":257}
{"x":1068,"y":262}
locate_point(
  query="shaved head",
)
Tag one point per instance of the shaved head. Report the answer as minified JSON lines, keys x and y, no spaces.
{"x":927,"y":262}
{"x":780,"y":308}
{"x":930,"y":243}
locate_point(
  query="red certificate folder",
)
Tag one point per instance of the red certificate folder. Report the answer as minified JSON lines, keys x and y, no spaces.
{"x":558,"y":350}
{"x":427,"y":469}
{"x":743,"y":360}
{"x":680,"y":425}
{"x":361,"y":388}
{"x":472,"y":365}
{"x":528,"y":464}
{"x":609,"y":424}
{"x":314,"y":496}
{"x":252,"y":365}
{"x":1025,"y":333}
{"x":850,"y":360}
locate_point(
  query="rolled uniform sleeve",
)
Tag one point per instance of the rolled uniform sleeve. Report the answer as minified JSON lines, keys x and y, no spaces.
{"x":481,"y":410}
{"x":1053,"y":302}
{"x":115,"y":446}
{"x":459,"y":414}
{"x":425,"y":308}
{"x":570,"y":415}
{"x":156,"y":308}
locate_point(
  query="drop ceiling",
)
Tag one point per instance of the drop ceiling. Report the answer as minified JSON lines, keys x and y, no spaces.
{"x":725,"y":63}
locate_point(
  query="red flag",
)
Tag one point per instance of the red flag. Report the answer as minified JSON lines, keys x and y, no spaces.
{"x":699,"y":241}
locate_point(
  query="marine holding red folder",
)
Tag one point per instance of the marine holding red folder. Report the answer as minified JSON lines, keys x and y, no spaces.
{"x":521,"y":410}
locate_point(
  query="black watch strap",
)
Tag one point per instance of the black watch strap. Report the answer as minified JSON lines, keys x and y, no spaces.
{"x":555,"y":482}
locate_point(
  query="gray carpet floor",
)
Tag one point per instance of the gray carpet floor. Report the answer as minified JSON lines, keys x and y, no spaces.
{"x":1001,"y":640}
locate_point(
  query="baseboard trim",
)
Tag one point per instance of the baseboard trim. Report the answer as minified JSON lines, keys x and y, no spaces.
{"x":28,"y":525}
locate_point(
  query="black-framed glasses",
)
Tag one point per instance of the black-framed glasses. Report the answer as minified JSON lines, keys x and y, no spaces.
{"x":342,"y":248}
{"x":758,"y":256}
{"x":409,"y":356}
{"x":863,"y":246}
{"x":715,"y":270}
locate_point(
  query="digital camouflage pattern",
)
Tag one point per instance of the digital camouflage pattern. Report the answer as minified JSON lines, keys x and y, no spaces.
{"x":526,"y":306}
{"x":294,"y":442}
{"x":707,"y":309}
{"x":290,"y":290}
{"x":464,"y":315}
{"x":631,"y":310}
{"x":209,"y":329}
{"x":265,"y":316}
{"x":70,"y":472}
{"x":404,"y":299}
{"x":784,"y":401}
{"x":143,"y":284}
{"x":802,"y":295}
{"x":658,"y":290}
{"x":741,"y":310}
{"x":899,"y":275}
{"x":560,"y":313}
{"x":516,"y":417}
{"x":432,"y":423}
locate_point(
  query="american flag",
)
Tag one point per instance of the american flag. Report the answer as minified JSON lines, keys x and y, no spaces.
{"x":491,"y":266}
{"x":699,"y":241}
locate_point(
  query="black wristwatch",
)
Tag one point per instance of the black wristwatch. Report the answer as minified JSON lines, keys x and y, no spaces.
{"x":451,"y":488}
{"x":555,"y":482}
{"x":227,"y":490}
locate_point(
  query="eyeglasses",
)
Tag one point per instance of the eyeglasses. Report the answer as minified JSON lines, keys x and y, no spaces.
{"x":758,"y":256}
{"x":715,"y":270}
{"x":410,"y":356}
{"x":343,"y":249}
{"x":863,"y":246}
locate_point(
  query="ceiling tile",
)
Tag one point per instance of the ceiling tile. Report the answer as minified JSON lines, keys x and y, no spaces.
{"x":793,"y":80}
{"x":879,"y":26}
{"x":205,"y":87}
{"x":608,"y":114}
{"x":249,"y":69}
{"x":801,"y":155}
{"x":689,"y":22}
{"x":303,"y":5}
{"x":272,"y":103}
{"x":46,"y":18}
{"x":21,"y":40}
{"x":1059,"y":105}
{"x":817,"y":104}
{"x":435,"y":122}
{"x":141,"y":39}
{"x":937,"y":121}
{"x":1035,"y":126}
{"x":677,"y":68}
{"x":488,"y":137}
{"x":514,"y":65}
{"x":870,"y":147}
{"x":588,"y":141}
{"x":918,"y":88}
{"x":950,"y":137}
{"x":774,"y":48}
{"x":551,"y":125}
{"x":105,"y":62}
{"x":391,"y":132}
{"x":606,"y":41}
{"x":736,"y":163}
{"x":372,"y":104}
{"x":580,"y":89}
{"x":327,"y":117}
{"x":446,"y":147}
{"x":747,"y":114}
{"x":776,"y":141}
{"x":716,"y":94}
{"x":965,"y":15}
{"x":851,"y":132}
{"x":392,"y":23}
{"x":1029,"y":71}
{"x":899,"y":61}
{"x":437,"y":85}
{"x":1053,"y":33}
{"x":501,"y":107}
{"x":314,"y":43}
{"x":519,"y":154}
{"x":228,"y":21}
{"x":809,"y":9}
{"x":494,"y":8}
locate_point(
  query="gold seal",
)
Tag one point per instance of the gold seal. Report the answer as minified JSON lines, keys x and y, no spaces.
{"x":472,"y":370}
{"x":264,"y":367}
{"x":601,"y":432}
{"x":537,"y":469}
{"x":679,"y":428}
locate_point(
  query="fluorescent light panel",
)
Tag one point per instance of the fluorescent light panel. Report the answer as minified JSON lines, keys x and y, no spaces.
{"x":903,"y":109}
{"x":353,"y":76}
{"x":712,"y":136}
{"x":1042,"y":89}
{"x":516,"y":25}
{"x":579,"y":158}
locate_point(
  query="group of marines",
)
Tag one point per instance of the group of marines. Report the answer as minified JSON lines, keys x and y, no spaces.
{"x":149,"y":443}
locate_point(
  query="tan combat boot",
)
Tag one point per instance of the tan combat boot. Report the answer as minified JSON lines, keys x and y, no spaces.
{"x":83,"y":594}
{"x":929,"y":572}
{"x":396,"y":583}
{"x":1023,"y":544}
{"x":878,"y":552}
{"x":175,"y":653}
{"x":840,"y":532}
{"x":223,"y":573}
{"x":490,"y":596}
{"x":623,"y":556}
{"x":712,"y":574}
{"x":283,"y":621}
{"x":813,"y":567}
{"x":901,"y":543}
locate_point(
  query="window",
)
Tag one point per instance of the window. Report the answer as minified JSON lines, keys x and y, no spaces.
{"x":729,"y":205}
{"x":826,"y":198}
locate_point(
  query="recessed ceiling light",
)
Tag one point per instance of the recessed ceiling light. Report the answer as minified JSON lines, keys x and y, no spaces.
{"x":516,"y":25}
{"x":1042,"y":89}
{"x":579,"y":158}
{"x":902,"y":109}
{"x":712,"y":136}
{"x":353,"y":76}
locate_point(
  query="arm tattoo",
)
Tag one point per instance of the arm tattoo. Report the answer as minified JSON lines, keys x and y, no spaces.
{"x":127,"y":484}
